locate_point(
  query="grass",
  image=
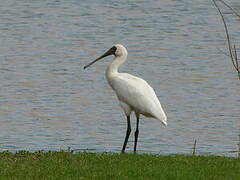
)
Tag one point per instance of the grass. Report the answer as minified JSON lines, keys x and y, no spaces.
{"x":65,"y":165}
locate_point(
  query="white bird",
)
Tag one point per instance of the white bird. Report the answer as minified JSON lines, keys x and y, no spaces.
{"x":134,"y":94}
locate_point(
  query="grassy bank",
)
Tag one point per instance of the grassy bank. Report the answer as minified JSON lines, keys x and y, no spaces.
{"x":63,"y":165}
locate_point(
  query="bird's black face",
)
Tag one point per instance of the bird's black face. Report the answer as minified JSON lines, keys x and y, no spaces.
{"x":111,"y":51}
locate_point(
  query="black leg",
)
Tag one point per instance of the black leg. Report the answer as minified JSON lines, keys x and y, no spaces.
{"x":136,"y":134}
{"x":127,"y":133}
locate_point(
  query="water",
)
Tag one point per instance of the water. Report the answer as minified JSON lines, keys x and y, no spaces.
{"x":48,"y":102}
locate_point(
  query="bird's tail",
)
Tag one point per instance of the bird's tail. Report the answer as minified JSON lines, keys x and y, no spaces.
{"x":164,"y":121}
{"x":162,"y":117}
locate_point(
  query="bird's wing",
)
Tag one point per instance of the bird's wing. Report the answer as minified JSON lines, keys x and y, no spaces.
{"x":138,"y":94}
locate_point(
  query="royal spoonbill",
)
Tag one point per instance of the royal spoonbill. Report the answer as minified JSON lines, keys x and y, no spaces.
{"x":134,"y":94}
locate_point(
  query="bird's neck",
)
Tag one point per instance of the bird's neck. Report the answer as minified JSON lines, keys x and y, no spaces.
{"x":115,"y":64}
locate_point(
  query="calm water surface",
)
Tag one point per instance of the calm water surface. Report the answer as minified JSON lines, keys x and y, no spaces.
{"x":48,"y":102}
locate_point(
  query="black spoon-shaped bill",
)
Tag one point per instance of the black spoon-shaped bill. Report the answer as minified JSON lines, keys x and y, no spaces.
{"x":108,"y":53}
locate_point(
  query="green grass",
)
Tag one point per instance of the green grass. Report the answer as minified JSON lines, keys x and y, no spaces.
{"x":64,"y":165}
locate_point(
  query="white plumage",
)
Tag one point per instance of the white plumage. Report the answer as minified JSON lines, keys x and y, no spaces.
{"x":138,"y":96}
{"x":134,"y":93}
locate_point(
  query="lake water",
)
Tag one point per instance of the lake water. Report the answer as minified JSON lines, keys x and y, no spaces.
{"x":48,"y":102}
